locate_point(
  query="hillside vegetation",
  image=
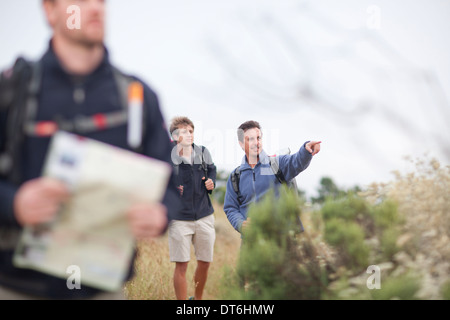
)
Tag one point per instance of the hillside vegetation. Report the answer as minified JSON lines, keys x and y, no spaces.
{"x":389,"y":241}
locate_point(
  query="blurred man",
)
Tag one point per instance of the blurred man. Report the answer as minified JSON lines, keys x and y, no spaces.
{"x":255,"y":175}
{"x":196,"y":175}
{"x":78,"y":91}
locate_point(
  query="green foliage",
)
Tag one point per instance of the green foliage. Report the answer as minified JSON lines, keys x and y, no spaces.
{"x":403,"y":287}
{"x":350,"y":221}
{"x":348,"y":208}
{"x":273,"y":262}
{"x":218,"y":194}
{"x":348,"y":238}
{"x":445,"y":290}
{"x":388,"y":243}
{"x":276,"y":216}
{"x":400,"y":227}
{"x":386,"y":214}
{"x":328,"y":190}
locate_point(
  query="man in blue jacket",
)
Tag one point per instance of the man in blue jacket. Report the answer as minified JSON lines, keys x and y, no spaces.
{"x":78,"y":91}
{"x":256,"y":174}
{"x":195,"y":175}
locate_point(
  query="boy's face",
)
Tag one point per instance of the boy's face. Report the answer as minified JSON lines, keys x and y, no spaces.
{"x":184,"y":135}
{"x":252,"y":144}
{"x":81,"y":21}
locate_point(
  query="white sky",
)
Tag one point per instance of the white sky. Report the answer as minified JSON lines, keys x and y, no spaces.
{"x":224,"y":62}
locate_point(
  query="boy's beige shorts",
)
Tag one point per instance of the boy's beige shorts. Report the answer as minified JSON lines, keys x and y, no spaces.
{"x":200,"y":233}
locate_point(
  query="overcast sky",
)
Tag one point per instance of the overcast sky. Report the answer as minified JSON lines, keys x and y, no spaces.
{"x":370,"y":79}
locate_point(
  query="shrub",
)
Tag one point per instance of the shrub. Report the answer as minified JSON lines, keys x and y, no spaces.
{"x":348,"y":238}
{"x":274,"y":263}
{"x":403,"y":287}
{"x":402,"y":227}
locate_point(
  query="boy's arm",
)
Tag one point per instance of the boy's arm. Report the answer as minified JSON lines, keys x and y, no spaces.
{"x":212,"y":169}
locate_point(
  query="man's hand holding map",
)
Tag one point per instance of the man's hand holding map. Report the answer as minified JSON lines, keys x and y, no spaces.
{"x":92,"y":230}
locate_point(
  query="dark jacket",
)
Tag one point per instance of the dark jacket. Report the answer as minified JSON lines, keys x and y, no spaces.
{"x":56,"y":101}
{"x":196,"y":203}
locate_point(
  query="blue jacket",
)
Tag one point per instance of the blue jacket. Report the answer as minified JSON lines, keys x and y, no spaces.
{"x":195,"y":200}
{"x":56,"y":100}
{"x":256,"y":182}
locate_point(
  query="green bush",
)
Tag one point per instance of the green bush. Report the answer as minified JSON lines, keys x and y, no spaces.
{"x":347,"y":208}
{"x":402,"y":227}
{"x":348,"y":238}
{"x":388,"y":243}
{"x":403,"y":287}
{"x":445,"y":290}
{"x":274,"y":263}
{"x":385,"y":214}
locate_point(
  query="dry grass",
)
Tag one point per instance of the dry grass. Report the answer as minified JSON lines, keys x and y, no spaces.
{"x":154,"y":271}
{"x":424,"y":202}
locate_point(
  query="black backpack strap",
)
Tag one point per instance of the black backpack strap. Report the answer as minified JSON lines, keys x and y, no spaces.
{"x":204,"y":164}
{"x":235,"y":178}
{"x":26,"y":82}
{"x":176,"y":173}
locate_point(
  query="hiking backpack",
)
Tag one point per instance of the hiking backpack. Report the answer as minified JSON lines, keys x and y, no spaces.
{"x":204,"y":165}
{"x":19,"y":90}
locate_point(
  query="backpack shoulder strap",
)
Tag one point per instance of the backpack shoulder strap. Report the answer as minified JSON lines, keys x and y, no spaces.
{"x":123,"y":82}
{"x":204,"y":164}
{"x":276,"y":169}
{"x":21,"y":87}
{"x":175,"y":164}
{"x":235,"y":178}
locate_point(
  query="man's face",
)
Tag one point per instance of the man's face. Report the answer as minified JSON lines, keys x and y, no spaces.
{"x":80,"y":21}
{"x":252,"y":144}
{"x":184,"y":135}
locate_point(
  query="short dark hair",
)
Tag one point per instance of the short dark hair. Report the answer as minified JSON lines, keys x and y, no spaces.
{"x":246,"y":126}
{"x":178,"y":122}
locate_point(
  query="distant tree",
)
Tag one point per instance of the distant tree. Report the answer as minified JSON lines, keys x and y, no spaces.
{"x":329,"y":190}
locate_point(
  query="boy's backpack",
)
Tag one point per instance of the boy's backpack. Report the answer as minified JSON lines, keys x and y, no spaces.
{"x":19,"y":90}
{"x":292,"y":184}
{"x":204,"y":165}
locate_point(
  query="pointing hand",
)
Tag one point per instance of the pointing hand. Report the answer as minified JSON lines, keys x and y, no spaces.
{"x":313,"y":147}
